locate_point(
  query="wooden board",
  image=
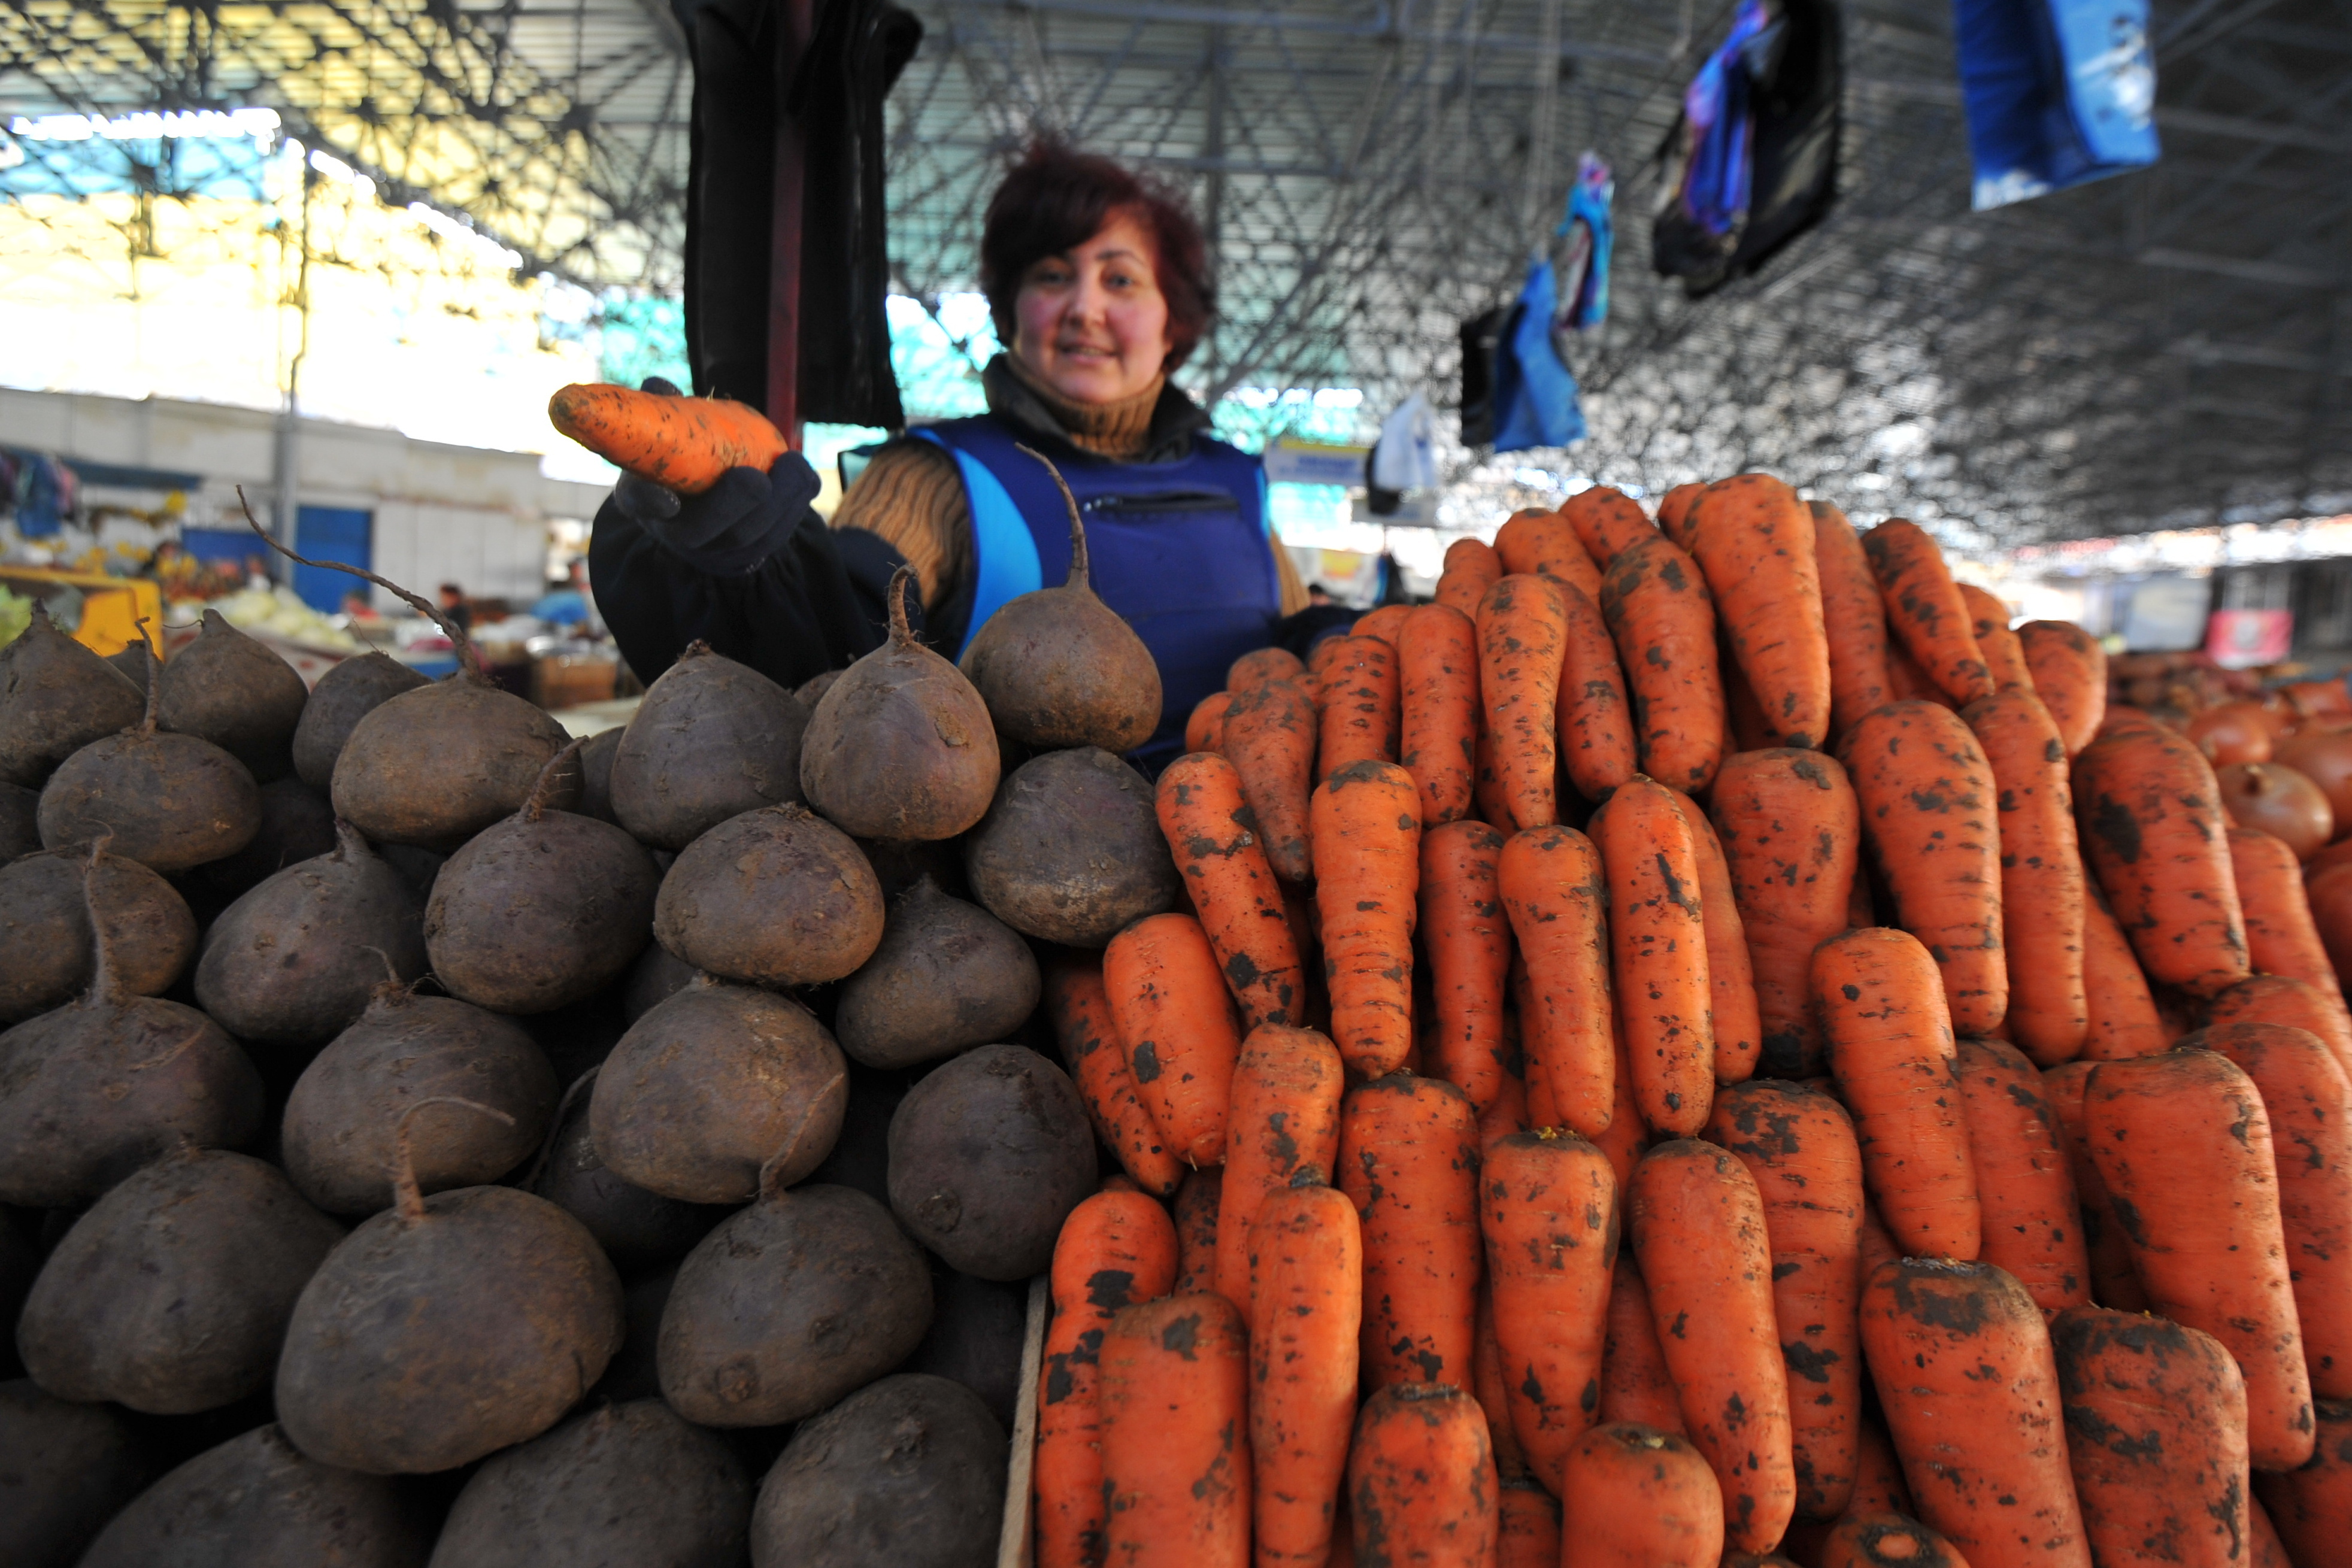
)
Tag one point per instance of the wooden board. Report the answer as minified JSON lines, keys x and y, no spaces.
{"x":1014,"y":1549}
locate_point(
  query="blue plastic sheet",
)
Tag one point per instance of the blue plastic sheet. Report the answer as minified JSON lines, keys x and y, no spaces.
{"x":1535,"y":396}
{"x":2058,"y":92}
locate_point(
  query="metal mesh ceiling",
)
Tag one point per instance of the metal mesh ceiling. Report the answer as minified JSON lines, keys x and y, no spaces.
{"x":2169,"y":347}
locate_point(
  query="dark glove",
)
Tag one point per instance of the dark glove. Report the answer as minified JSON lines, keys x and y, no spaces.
{"x":731,"y":527}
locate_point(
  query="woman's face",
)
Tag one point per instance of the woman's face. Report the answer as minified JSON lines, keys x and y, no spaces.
{"x":1092,"y":321}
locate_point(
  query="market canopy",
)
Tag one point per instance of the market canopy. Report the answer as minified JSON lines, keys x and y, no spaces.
{"x":2168,"y":348}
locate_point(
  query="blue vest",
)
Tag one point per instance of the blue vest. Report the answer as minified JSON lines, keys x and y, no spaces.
{"x":1182,"y":550}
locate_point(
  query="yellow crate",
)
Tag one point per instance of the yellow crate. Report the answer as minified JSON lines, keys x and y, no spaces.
{"x":112,"y":607}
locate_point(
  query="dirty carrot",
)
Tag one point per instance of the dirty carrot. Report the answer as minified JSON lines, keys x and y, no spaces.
{"x":1116,"y":1249}
{"x":1791,"y":832}
{"x":2025,"y":1186}
{"x":1468,"y":939}
{"x":2113,"y":1282}
{"x":2120,"y":1018}
{"x":1659,"y":612}
{"x":1891,"y":1052}
{"x":1269,"y":737}
{"x":1674,"y":510}
{"x":1367,"y":842}
{"x":1550,"y":879}
{"x":2041,"y":874}
{"x":2156,"y":838}
{"x":1356,"y":703}
{"x":1409,"y":1160}
{"x":2004,"y":658}
{"x":1545,"y":544}
{"x":2309,"y":1505}
{"x":1887,"y":1541}
{"x":1088,"y":1036}
{"x":1213,"y":834}
{"x":2275,"y":998}
{"x":1697,"y":1224}
{"x":1907,"y":682}
{"x":1472,"y":568}
{"x":1636,"y":1386}
{"x":1205,"y":729}
{"x":1175,"y":1435}
{"x":2210,"y":1252}
{"x":1507,"y":1111}
{"x":2155,"y":1427}
{"x":1853,"y":619}
{"x":1486,"y":1383}
{"x":1308,"y":1307}
{"x":1522,"y":624}
{"x":1284,"y":1120}
{"x":1930,"y":814}
{"x":2069,"y":675}
{"x":1595,"y":722}
{"x":1384,"y":623}
{"x":1924,"y":610}
{"x":1530,"y":1527}
{"x":1754,"y":540}
{"x":1731,"y":977}
{"x":1175,"y":1018}
{"x":1549,"y":1203}
{"x":1627,"y":1138}
{"x":1658,"y":940}
{"x":1437,"y":655}
{"x":1878,"y":1483}
{"x":1197,"y":1202}
{"x":1799,"y":1145}
{"x":684,"y":442}
{"x":2308,"y":1097}
{"x":1745,"y":726}
{"x":1638,"y":1497}
{"x":2281,"y":936}
{"x":1609,"y":522}
{"x":1965,"y":1373}
{"x":1262,"y":664}
{"x":1422,"y":1483}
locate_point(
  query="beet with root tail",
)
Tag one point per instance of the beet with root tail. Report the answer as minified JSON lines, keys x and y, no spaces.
{"x":344,"y":696}
{"x":229,"y":689}
{"x":46,"y":954}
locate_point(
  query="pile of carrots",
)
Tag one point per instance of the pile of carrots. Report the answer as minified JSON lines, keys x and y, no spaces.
{"x":1704,"y":1046}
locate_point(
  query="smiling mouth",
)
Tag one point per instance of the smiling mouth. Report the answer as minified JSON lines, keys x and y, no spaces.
{"x":1085,"y":351}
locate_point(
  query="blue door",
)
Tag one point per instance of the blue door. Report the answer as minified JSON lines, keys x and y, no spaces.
{"x":331,"y":533}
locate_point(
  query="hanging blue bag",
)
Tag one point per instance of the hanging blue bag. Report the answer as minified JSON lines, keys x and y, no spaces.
{"x":2058,"y":92}
{"x":1535,"y":396}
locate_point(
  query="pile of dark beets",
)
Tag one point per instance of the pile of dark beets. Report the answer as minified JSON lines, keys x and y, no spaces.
{"x":427,"y":1139}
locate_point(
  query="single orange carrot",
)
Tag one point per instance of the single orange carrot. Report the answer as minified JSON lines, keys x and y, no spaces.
{"x":2025,"y":1186}
{"x":1175,"y":1435}
{"x":1213,"y":836}
{"x":2155,"y":834}
{"x":1658,"y":611}
{"x":1627,"y":1138}
{"x":684,"y":442}
{"x":2311,"y":1506}
{"x":1799,"y":1145}
{"x":1791,"y":832}
{"x":1507,"y":1111}
{"x":1468,"y":939}
{"x":1205,"y":730}
{"x":2275,"y":998}
{"x":1368,"y":844}
{"x":1270,"y":733}
{"x":1088,"y":1036}
{"x":1357,"y":704}
{"x":1929,"y":814}
{"x":2004,"y":658}
{"x":1472,"y":568}
{"x":1197,"y":1202}
{"x":1409,"y":1160}
{"x":2069,"y":675}
{"x":1608,"y":521}
{"x":1674,"y":510}
{"x":2308,"y":1097}
{"x":1522,"y":624}
{"x":1635,"y":1497}
{"x":1754,"y":540}
{"x":1176,"y":1019}
{"x":2113,"y":1282}
{"x":1966,"y":1374}
{"x":1308,"y":1307}
{"x":1907,"y":683}
{"x":1853,"y":619}
{"x":1891,"y":1049}
{"x":1489,"y":796}
{"x":1745,"y":727}
{"x":1284,"y":1121}
{"x":1550,"y":881}
{"x":2156,"y":1423}
{"x":1116,"y":1249}
{"x":1262,"y":664}
{"x":1596,"y":725}
{"x":1549,"y":1218}
{"x":1924,"y":610}
{"x":1658,"y":939}
{"x":1437,"y":652}
{"x":1636,"y":1386}
{"x":2281,"y":936}
{"x":1530,"y":1526}
{"x":1422,"y":1484}
{"x":1384,"y":622}
{"x":1545,"y":544}
{"x":1486,"y":1383}
{"x":1731,"y":977}
{"x":2041,"y":874}
{"x":2210,"y":1252}
{"x":1697,"y":1223}
{"x":2120,"y":1016}
{"x":1887,"y":1540}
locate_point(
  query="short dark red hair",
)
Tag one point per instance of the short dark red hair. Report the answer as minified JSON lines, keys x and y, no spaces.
{"x":1058,"y":198}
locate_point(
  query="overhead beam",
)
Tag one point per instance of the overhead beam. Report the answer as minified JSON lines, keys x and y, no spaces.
{"x":1381,"y":24}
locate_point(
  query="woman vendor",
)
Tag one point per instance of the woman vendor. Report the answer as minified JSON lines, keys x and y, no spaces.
{"x":1098,"y":284}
